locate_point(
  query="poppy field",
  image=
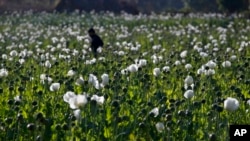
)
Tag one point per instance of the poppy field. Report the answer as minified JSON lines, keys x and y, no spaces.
{"x":159,"y":77}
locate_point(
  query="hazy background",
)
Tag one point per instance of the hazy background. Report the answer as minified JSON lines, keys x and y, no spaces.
{"x":131,"y":6}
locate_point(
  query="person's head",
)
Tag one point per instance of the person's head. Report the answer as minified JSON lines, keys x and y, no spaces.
{"x":91,"y":31}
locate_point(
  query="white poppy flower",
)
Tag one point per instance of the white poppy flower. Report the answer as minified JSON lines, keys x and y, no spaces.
{"x":4,"y":56}
{"x":124,"y":71}
{"x":21,"y":61}
{"x":18,"y":98}
{"x":156,"y":72}
{"x":166,"y":68}
{"x":211,"y":64}
{"x":183,"y":54}
{"x":233,"y":57}
{"x":189,"y":94}
{"x":78,"y":101}
{"x":177,"y":63}
{"x":3,"y":73}
{"x":248,"y":102}
{"x":80,"y":81}
{"x":133,"y":68}
{"x":200,"y":71}
{"x":209,"y":72}
{"x":94,"y":81}
{"x":99,"y":50}
{"x":105,"y":79}
{"x":187,"y":86}
{"x":189,"y":80}
{"x":49,"y":80}
{"x":47,"y":64}
{"x":155,"y":111}
{"x":121,"y":53}
{"x":226,"y":64}
{"x":188,"y":66}
{"x":13,"y":53}
{"x":99,"y":99}
{"x":71,"y":73}
{"x":203,"y":54}
{"x":142,"y":62}
{"x":231,"y":104}
{"x":54,"y":87}
{"x":159,"y":126}
{"x":68,"y":95}
{"x":92,"y":78}
{"x":77,"y":114}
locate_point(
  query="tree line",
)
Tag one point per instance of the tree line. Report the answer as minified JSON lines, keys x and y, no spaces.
{"x":131,"y":6}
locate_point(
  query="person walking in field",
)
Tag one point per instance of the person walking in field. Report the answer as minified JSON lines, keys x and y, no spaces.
{"x":96,"y":41}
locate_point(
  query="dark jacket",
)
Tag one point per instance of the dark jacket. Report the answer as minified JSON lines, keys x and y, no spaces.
{"x":96,"y":41}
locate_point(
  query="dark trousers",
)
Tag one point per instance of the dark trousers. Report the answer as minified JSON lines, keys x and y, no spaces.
{"x":94,"y":50}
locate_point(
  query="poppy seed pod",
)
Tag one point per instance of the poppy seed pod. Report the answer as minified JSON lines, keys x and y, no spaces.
{"x":40,"y":93}
{"x":39,"y":116}
{"x":21,"y":89}
{"x":17,"y":102}
{"x":65,"y":126}
{"x":38,"y":138}
{"x":58,"y":127}
{"x":19,"y":117}
{"x":172,"y":100}
{"x":212,"y":137}
{"x":219,"y":109}
{"x":11,"y":88}
{"x":169,"y":117}
{"x":34,"y":103}
{"x":142,"y":125}
{"x":197,"y":104}
{"x":130,"y":102}
{"x":35,"y":88}
{"x":115,"y":104}
{"x":164,"y":98}
{"x":31,"y":126}
{"x":8,"y":120}
{"x":203,"y":101}
{"x":181,"y":113}
{"x":10,"y":102}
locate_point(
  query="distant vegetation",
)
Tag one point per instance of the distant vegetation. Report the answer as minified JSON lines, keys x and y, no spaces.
{"x":131,"y":6}
{"x":28,"y":4}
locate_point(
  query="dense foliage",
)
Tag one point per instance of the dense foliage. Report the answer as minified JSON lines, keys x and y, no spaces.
{"x":130,"y":6}
{"x":159,"y":77}
{"x":203,"y":5}
{"x":233,"y":5}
